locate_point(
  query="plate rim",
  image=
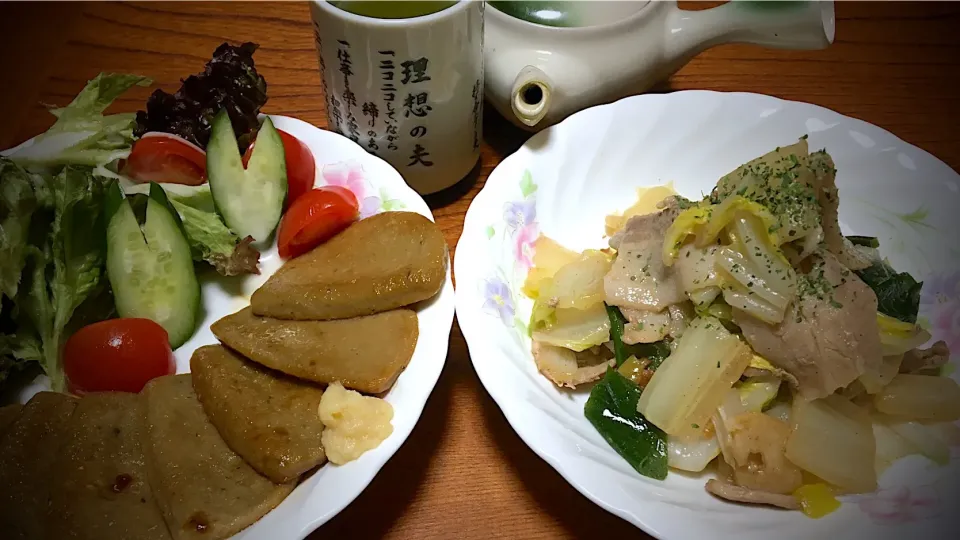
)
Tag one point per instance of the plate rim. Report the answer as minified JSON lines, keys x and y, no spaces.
{"x":468,"y":314}
{"x":445,"y":300}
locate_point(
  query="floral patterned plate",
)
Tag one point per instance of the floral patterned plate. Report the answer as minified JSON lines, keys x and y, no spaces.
{"x":380,"y":188}
{"x":563,"y":182}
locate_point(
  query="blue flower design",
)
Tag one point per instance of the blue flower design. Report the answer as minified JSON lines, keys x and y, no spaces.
{"x":498,"y":300}
{"x":518,"y":214}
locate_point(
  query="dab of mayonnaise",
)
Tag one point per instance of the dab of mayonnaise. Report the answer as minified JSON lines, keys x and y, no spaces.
{"x":353,"y":423}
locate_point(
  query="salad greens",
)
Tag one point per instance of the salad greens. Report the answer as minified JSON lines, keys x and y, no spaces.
{"x":612,"y":409}
{"x":61,"y":267}
{"x":52,"y":240}
{"x":229,"y":82}
{"x":54,"y":193}
{"x":82,"y":135}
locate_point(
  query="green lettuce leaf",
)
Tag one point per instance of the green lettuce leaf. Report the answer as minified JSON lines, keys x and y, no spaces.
{"x":82,"y":135}
{"x":209,"y":238}
{"x":17,"y":205}
{"x":63,"y":270}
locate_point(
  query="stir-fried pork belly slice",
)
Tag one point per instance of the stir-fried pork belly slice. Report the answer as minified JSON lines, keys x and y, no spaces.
{"x":829,"y":337}
{"x":639,"y":279}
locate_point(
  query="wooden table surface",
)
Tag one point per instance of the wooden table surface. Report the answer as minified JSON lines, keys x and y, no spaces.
{"x":464,"y":473}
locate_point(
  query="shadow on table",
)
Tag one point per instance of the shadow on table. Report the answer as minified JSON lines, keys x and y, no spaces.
{"x":576,"y":514}
{"x":501,"y":138}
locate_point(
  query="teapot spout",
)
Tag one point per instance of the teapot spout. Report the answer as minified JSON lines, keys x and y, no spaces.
{"x":530,"y":95}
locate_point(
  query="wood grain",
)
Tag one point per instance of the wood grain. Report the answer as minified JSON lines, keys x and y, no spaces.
{"x":464,"y":473}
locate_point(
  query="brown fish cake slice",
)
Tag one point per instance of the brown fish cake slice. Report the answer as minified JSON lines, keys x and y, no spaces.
{"x":99,"y":490}
{"x":204,"y":489}
{"x":366,"y":354}
{"x":28,"y":451}
{"x":9,"y":415}
{"x":268,"y":418}
{"x":383,"y":262}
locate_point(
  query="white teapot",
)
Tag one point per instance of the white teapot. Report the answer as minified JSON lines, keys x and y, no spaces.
{"x":547,"y":60}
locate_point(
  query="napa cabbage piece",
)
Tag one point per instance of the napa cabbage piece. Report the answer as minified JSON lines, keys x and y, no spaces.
{"x":898,"y":337}
{"x":569,"y":310}
{"x":930,"y":439}
{"x":689,"y":385}
{"x":833,"y":440}
{"x":757,"y":393}
{"x":784,"y":181}
{"x":579,"y":284}
{"x":874,"y":382}
{"x":697,"y":269}
{"x":548,"y":258}
{"x":920,"y":397}
{"x":707,"y":221}
{"x":692,"y":452}
{"x":890,"y":447}
{"x":571,"y":328}
{"x":758,"y":279}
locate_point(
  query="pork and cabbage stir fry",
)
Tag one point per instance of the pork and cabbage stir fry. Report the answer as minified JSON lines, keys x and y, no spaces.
{"x":744,"y":333}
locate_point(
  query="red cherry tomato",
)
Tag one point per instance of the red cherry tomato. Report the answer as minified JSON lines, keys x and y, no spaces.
{"x":166,"y":159}
{"x":301,"y":167}
{"x":118,"y":355}
{"x":316,"y":217}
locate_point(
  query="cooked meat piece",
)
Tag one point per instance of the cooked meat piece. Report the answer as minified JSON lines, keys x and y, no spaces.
{"x":734,"y":493}
{"x":645,"y":326}
{"x":828,"y":338}
{"x":8,"y":415}
{"x":922,"y":361}
{"x":99,"y":487}
{"x":28,"y":451}
{"x":638,"y":278}
{"x":829,"y":198}
{"x":383,"y":262}
{"x":364,"y":353}
{"x":204,"y":489}
{"x":268,"y":418}
{"x":567,"y":368}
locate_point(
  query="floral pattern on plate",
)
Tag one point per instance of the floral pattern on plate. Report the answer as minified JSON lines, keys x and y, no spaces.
{"x":588,"y":167}
{"x":350,"y":174}
{"x":517,"y":234}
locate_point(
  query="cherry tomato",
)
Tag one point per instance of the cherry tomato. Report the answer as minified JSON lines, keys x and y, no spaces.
{"x":166,"y":158}
{"x":316,"y":217}
{"x":301,"y":167}
{"x":118,"y":355}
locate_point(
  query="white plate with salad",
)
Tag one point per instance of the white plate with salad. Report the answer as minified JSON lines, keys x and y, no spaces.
{"x":74,"y":275}
{"x":659,"y":295}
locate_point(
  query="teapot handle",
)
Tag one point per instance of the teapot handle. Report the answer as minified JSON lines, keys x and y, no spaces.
{"x":800,"y":25}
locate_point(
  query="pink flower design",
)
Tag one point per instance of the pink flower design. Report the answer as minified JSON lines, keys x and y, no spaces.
{"x":901,"y":505}
{"x":940,"y":298}
{"x":523,"y":248}
{"x":946,"y":325}
{"x":350,"y":175}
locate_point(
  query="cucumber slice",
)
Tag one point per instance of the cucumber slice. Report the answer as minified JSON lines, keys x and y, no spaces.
{"x":151,"y":270}
{"x":249,"y":200}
